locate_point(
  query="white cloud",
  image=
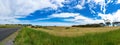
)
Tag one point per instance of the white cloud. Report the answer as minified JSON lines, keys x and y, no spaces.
{"x":9,"y":21}
{"x":118,"y":1}
{"x":99,"y":1}
{"x":63,"y":15}
{"x":79,"y":7}
{"x":42,"y":19}
{"x":92,"y":4}
{"x":12,"y":9}
{"x":58,"y":2}
{"x":25,"y":7}
{"x":84,"y":20}
{"x":112,"y":17}
{"x":76,"y":18}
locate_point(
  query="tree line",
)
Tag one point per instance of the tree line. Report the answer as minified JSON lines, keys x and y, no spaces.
{"x":90,"y":25}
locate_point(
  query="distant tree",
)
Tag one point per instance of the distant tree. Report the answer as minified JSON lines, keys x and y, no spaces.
{"x":108,"y":23}
{"x":88,"y":25}
{"x":102,"y":24}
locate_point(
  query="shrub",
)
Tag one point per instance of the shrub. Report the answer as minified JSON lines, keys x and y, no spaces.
{"x":67,"y":28}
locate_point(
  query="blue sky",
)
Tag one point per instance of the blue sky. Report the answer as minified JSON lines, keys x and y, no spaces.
{"x":58,"y":12}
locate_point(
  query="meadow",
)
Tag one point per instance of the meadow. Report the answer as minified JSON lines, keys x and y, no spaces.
{"x":29,"y":36}
{"x":74,"y":31}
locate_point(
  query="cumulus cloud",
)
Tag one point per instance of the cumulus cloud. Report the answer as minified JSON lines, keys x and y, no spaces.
{"x":118,"y":1}
{"x":114,"y":17}
{"x":81,"y":5}
{"x":63,"y":15}
{"x":60,"y":15}
{"x":12,"y":9}
{"x":77,"y":18}
{"x":84,"y":20}
{"x":92,"y":4}
{"x":57,"y":2}
{"x":7,"y":21}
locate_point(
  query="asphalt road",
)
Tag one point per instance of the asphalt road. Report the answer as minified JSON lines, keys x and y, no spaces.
{"x":5,"y":32}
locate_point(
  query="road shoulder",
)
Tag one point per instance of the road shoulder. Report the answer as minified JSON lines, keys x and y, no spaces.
{"x":10,"y":39}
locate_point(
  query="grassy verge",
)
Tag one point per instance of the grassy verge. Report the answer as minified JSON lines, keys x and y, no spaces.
{"x":1,"y":43}
{"x":29,"y":36}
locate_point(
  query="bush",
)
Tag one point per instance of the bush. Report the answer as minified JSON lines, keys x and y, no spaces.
{"x":36,"y":26}
{"x":67,"y":28}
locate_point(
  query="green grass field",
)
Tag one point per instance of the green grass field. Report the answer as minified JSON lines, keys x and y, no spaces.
{"x":29,"y":36}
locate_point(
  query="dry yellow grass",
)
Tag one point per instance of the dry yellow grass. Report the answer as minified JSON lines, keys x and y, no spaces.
{"x":75,"y":31}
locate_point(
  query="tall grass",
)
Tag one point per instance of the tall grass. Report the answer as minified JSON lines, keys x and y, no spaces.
{"x":29,"y":36}
{"x":1,"y":43}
